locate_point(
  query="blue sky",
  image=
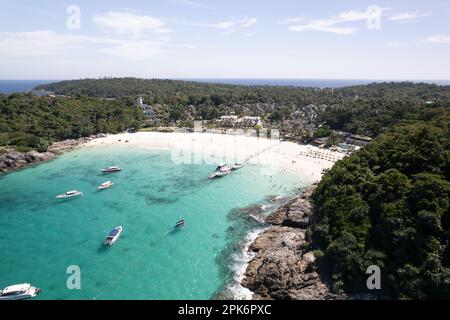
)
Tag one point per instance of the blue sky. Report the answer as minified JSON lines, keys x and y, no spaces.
{"x":225,"y":39}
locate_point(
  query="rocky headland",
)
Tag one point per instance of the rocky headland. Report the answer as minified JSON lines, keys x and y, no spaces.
{"x":11,"y":159}
{"x":283,"y":267}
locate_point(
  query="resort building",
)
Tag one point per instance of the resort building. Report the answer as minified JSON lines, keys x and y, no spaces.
{"x":250,"y":122}
{"x":358,"y":140}
{"x":321,"y":142}
{"x":228,"y":121}
{"x":243,"y":123}
{"x":149,"y":113}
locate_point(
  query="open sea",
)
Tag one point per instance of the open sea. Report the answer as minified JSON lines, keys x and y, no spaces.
{"x":12,"y":86}
{"x":42,"y":236}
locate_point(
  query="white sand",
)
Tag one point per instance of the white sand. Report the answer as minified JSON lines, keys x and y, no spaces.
{"x":305,"y":160}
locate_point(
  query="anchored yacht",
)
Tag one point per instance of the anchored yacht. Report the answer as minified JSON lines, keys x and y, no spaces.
{"x":69,"y":194}
{"x":105,"y":185}
{"x":237,"y":166}
{"x":222,"y":170}
{"x":113,"y":235}
{"x":111,"y":169}
{"x":19,"y":292}
{"x":218,"y":174}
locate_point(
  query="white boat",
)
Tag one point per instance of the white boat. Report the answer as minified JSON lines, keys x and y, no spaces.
{"x":19,"y":292}
{"x":222,"y":166}
{"x":113,"y":235}
{"x":237,"y":166}
{"x":218,"y":174}
{"x":111,"y":169}
{"x":180,"y":224}
{"x":69,"y":194}
{"x":105,"y":185}
{"x":225,"y":169}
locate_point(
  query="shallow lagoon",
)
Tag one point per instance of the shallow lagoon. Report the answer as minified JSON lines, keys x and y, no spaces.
{"x":41,"y":236}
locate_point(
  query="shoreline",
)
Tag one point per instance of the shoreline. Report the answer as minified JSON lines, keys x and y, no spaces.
{"x":13,"y":160}
{"x":210,"y":148}
{"x":306,"y":161}
{"x":280,"y":254}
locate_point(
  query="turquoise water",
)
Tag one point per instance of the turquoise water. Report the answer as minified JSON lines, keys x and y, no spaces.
{"x":42,"y":236}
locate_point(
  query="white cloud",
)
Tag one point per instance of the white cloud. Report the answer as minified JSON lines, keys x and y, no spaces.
{"x":408,"y":16}
{"x":194,"y":4}
{"x":247,"y":22}
{"x":222,"y":25}
{"x":332,"y":24}
{"x":291,"y":20}
{"x":439,"y":38}
{"x":37,"y":43}
{"x":135,"y":50}
{"x":48,"y":43}
{"x":232,"y":24}
{"x":324,"y":26}
{"x":126,"y":23}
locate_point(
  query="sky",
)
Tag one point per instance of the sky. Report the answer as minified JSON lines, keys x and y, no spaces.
{"x":340,"y":39}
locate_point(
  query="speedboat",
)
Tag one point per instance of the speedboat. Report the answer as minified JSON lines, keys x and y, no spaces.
{"x":69,"y":194}
{"x":218,"y":174}
{"x":19,"y":292}
{"x":113,"y":235}
{"x":237,"y":166}
{"x":105,"y":185}
{"x":180,"y":224}
{"x":222,"y":166}
{"x":111,"y":169}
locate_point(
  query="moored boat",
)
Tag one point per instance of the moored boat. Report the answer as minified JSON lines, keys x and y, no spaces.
{"x":237,"y":166}
{"x":223,"y":166}
{"x":105,"y":185}
{"x":111,"y":169}
{"x":222,"y":170}
{"x":19,"y":292}
{"x":69,"y":194}
{"x":113,"y":235}
{"x":218,"y":174}
{"x":180,"y":224}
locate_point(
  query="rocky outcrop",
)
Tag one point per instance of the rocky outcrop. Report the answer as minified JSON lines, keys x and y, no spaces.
{"x":282,"y":267}
{"x":296,"y":213}
{"x":11,"y":159}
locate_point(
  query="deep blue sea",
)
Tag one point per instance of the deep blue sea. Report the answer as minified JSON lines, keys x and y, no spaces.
{"x":12,"y":86}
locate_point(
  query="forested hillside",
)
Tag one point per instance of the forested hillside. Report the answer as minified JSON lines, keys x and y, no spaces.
{"x":388,"y":205}
{"x":28,"y":121}
{"x":365,"y":109}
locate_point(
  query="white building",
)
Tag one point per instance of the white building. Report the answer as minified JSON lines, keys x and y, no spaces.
{"x":250,"y":122}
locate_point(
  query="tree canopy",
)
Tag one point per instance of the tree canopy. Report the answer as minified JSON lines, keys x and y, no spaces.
{"x":388,"y":205}
{"x":35,"y":122}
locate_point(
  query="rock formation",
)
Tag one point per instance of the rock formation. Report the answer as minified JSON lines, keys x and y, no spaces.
{"x":283,"y":268}
{"x":11,"y":159}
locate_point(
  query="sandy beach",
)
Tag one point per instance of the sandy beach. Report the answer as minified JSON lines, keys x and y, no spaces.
{"x":305,"y":160}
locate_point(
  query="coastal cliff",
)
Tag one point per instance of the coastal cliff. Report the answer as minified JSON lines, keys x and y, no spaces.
{"x":282,"y":267}
{"x":11,"y":159}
